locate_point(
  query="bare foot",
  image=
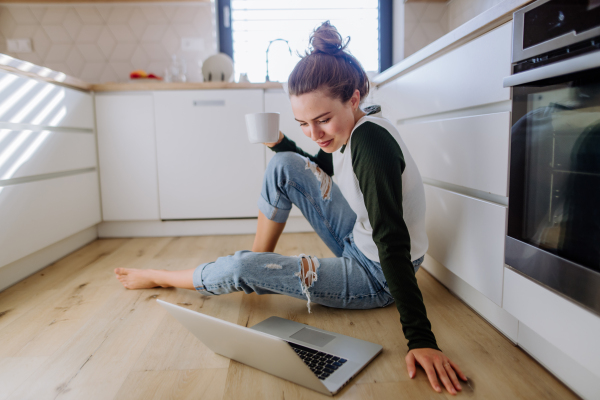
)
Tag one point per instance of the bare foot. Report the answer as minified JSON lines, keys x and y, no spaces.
{"x":137,"y":278}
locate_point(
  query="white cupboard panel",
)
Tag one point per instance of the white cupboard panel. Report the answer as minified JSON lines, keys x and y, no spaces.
{"x":27,"y":153}
{"x":564,"y":324}
{"x":467,"y":235}
{"x":564,"y":367}
{"x":278,"y":101}
{"x":207,"y":168}
{"x":468,"y":76}
{"x":30,"y":101}
{"x":470,"y":152}
{"x":127,"y":157}
{"x":37,"y":214}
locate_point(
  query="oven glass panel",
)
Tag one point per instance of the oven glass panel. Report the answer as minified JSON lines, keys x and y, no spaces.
{"x":555,"y":169}
{"x":559,"y":17}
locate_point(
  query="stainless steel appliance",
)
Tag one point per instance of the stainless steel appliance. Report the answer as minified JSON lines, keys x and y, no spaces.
{"x":553,"y":231}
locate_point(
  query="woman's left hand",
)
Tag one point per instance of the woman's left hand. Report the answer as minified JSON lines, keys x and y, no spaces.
{"x":435,"y":363}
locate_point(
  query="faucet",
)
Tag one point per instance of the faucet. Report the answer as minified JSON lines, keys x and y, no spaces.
{"x":271,"y":42}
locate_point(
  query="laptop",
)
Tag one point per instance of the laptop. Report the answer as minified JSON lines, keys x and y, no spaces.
{"x":319,"y":360}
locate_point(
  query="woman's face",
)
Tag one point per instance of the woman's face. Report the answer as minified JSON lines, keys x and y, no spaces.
{"x":326,"y":121}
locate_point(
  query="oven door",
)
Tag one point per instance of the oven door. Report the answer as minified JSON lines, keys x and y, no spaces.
{"x":553,"y":231}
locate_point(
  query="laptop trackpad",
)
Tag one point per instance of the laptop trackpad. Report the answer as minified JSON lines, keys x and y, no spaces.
{"x":313,"y":337}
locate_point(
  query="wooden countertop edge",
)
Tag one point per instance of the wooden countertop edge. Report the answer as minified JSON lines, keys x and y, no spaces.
{"x":153,"y":86}
{"x":65,"y":80}
{"x":484,"y":22}
{"x":30,"y":70}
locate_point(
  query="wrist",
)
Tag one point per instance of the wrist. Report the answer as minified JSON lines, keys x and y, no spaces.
{"x":277,"y":142}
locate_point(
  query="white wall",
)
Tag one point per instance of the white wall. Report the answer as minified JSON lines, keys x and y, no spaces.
{"x":398,"y":31}
{"x":105,"y":42}
{"x":460,"y":11}
{"x":426,"y":22}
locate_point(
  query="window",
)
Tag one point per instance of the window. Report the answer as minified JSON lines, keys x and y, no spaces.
{"x":253,"y":24}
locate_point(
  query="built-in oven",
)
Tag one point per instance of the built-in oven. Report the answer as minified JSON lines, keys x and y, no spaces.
{"x":553,"y":233}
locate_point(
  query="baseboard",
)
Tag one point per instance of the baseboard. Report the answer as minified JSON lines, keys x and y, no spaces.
{"x":571,"y":373}
{"x":28,"y":265}
{"x":487,"y":309}
{"x":112,"y":229}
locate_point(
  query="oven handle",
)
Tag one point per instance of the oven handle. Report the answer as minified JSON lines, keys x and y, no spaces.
{"x":581,"y":63}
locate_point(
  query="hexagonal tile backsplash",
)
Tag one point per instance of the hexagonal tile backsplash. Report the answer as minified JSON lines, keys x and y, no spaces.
{"x":105,"y":42}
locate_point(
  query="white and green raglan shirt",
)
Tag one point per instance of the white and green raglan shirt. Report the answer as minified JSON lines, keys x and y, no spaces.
{"x":382,"y":185}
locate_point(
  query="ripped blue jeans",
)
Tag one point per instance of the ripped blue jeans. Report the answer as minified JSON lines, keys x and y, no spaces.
{"x":348,"y":280}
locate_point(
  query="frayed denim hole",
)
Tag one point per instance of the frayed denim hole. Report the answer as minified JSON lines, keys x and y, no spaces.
{"x":313,"y":264}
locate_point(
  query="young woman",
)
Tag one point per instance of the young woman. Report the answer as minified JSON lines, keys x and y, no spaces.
{"x":372,"y":219}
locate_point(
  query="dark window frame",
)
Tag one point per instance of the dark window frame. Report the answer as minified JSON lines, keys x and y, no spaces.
{"x":386,"y":34}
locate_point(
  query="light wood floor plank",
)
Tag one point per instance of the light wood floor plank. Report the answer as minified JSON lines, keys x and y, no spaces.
{"x":16,"y":370}
{"x":73,"y":332}
{"x":205,"y":384}
{"x":38,"y":288}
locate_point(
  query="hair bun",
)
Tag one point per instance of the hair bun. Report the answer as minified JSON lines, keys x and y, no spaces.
{"x":326,"y":39}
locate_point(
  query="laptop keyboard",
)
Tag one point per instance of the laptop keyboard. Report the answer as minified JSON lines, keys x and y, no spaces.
{"x":321,"y":364}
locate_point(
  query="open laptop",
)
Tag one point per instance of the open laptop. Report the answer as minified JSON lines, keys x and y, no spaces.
{"x":320,"y":360}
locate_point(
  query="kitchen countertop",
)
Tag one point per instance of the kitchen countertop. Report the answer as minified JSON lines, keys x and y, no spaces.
{"x":14,"y":65}
{"x":484,"y":22}
{"x":148,"y":85}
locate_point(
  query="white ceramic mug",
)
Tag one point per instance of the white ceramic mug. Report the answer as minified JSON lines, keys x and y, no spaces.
{"x":263,"y":127}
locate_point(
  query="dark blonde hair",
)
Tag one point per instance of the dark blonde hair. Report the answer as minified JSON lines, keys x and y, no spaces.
{"x":328,"y":66}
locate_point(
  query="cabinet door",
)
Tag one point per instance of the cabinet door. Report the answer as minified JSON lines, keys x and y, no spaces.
{"x":207,"y":168}
{"x":278,"y":101}
{"x":466,"y":235}
{"x":468,"y":151}
{"x":127,"y":154}
{"x":468,"y":76}
{"x":37,"y":214}
{"x":28,"y":152}
{"x":31,"y":101}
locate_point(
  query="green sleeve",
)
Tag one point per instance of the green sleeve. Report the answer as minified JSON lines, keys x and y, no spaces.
{"x":378,"y":163}
{"x":322,"y":159}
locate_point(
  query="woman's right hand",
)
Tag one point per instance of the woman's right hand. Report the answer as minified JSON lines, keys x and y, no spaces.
{"x":277,"y":142}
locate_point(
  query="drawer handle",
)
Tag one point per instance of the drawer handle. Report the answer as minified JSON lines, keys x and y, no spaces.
{"x":209,"y":103}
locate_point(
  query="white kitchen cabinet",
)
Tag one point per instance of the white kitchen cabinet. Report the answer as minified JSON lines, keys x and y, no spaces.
{"x":559,"y":333}
{"x":469,"y":151}
{"x":466,"y":235}
{"x":468,"y":76}
{"x":37,"y":214}
{"x":32,"y":101}
{"x":39,"y":152}
{"x":561,"y":322}
{"x":278,"y":101}
{"x":207,"y":168}
{"x":48,"y":181}
{"x":127,"y":156}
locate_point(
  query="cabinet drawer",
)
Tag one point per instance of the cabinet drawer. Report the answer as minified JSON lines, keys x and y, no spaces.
{"x":207,"y":168}
{"x":127,"y":157}
{"x":561,"y":322}
{"x":466,"y":235}
{"x":468,"y":76}
{"x":28,"y":153}
{"x":37,"y":214}
{"x":470,"y":152}
{"x":29,"y":101}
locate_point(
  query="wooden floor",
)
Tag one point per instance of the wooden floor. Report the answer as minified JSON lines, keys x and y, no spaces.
{"x":71,"y":331}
